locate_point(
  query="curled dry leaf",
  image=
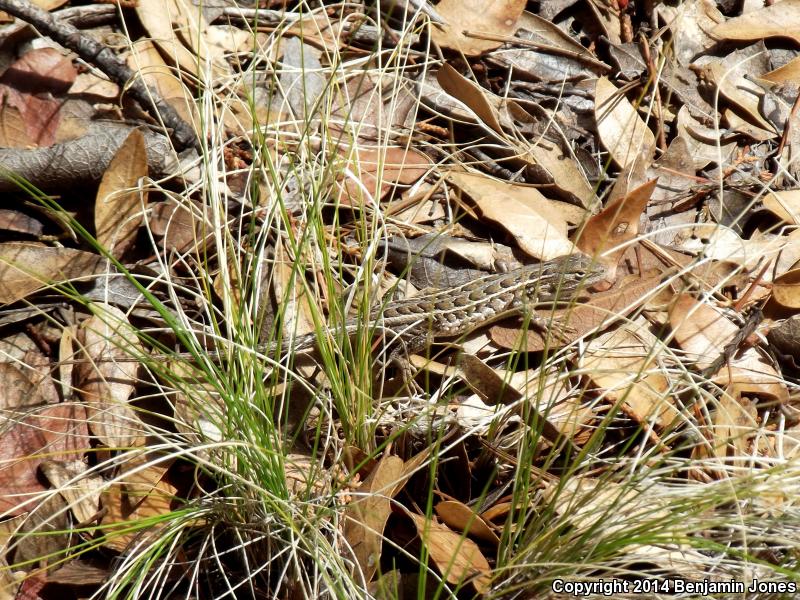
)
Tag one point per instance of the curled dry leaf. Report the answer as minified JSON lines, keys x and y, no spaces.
{"x":752,"y":374}
{"x":458,"y":558}
{"x":536,"y":235}
{"x":120,"y":205}
{"x":489,"y":109}
{"x":146,"y":59}
{"x":622,"y":131}
{"x":106,"y":384}
{"x":734,"y":76}
{"x":497,"y":114}
{"x":12,"y":220}
{"x":179,"y":30}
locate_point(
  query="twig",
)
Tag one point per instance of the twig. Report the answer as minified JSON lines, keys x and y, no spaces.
{"x":101,"y":56}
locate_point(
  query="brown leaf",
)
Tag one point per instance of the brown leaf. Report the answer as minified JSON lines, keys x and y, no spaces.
{"x":27,"y":86}
{"x":180,"y":224}
{"x":13,"y":130}
{"x":459,"y":516}
{"x":781,"y":19}
{"x":366,"y":515}
{"x":699,"y":329}
{"x":120,"y":206}
{"x":27,"y":267}
{"x":57,"y":431}
{"x":621,"y":363}
{"x":81,"y":492}
{"x":179,"y":31}
{"x":734,"y":76}
{"x":140,"y":492}
{"x":17,"y":388}
{"x":624,"y":134}
{"x":498,"y":18}
{"x":107,"y":384}
{"x":458,"y":558}
{"x":617,"y":224}
{"x":487,"y":107}
{"x":378,"y":169}
{"x":786,"y":289}
{"x":540,"y":237}
{"x":146,"y":59}
{"x":478,"y":185}
{"x":12,"y":220}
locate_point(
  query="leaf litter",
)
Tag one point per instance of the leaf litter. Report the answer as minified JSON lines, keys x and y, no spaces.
{"x":298,"y":164}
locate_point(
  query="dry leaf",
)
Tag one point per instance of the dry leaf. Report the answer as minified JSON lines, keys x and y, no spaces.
{"x":487,"y":107}
{"x":53,"y":432}
{"x":785,"y":204}
{"x":120,"y":206}
{"x":734,"y":77}
{"x":27,"y":267}
{"x":700,"y":330}
{"x":181,"y":225}
{"x":13,"y":132}
{"x":376,"y":170}
{"x":12,"y":220}
{"x":366,"y":515}
{"x":615,"y":226}
{"x":179,"y":30}
{"x":139,"y":493}
{"x":781,"y":19}
{"x":80,"y":492}
{"x":497,"y":18}
{"x":28,"y":85}
{"x":458,"y":558}
{"x":622,"y":365}
{"x":786,"y":289}
{"x":556,"y":212}
{"x":106,"y":378}
{"x":459,"y":516}
{"x":534,"y":234}
{"x":145,"y":59}
{"x":622,"y":131}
